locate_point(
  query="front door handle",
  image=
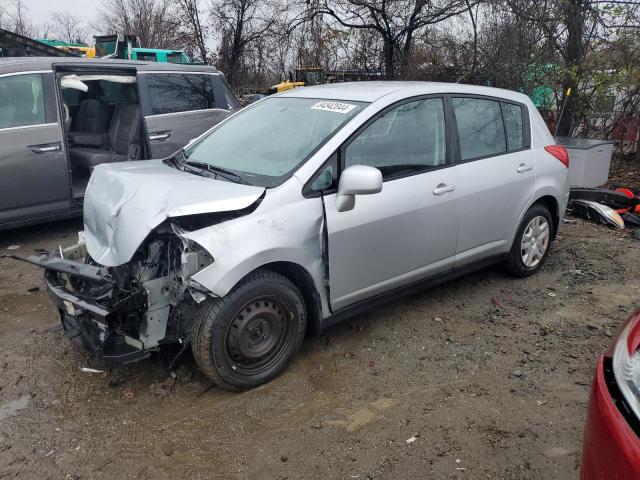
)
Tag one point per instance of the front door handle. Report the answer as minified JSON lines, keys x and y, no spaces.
{"x":443,"y":188}
{"x":46,"y":148}
{"x":523,"y":167}
{"x":159,"y":136}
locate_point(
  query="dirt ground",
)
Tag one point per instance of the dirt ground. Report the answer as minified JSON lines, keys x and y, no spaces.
{"x":488,"y":375}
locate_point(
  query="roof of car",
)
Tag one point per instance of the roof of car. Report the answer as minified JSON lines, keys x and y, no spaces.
{"x":372,"y":91}
{"x":34,"y":64}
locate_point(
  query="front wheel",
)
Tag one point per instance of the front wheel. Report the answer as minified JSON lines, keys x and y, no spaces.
{"x":532,"y":242}
{"x":248,"y":337}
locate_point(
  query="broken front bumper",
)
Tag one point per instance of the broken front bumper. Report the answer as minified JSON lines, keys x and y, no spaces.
{"x":89,"y":322}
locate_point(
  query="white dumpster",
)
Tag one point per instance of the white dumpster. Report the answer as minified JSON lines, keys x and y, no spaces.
{"x":589,"y":160}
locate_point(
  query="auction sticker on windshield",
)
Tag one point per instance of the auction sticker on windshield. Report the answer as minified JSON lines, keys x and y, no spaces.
{"x":338,"y":107}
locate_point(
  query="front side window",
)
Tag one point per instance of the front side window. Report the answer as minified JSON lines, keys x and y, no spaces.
{"x":21,"y":101}
{"x":179,"y":92}
{"x":408,"y":139}
{"x":480,"y":127}
{"x":267,"y":141}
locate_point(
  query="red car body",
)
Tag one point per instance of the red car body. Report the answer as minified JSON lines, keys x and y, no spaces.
{"x":611,"y":447}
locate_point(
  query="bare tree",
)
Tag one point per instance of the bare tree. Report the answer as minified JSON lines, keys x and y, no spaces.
{"x":242,"y":24}
{"x":155,"y":22}
{"x":396,"y":22}
{"x":68,"y":27}
{"x":15,"y":17}
{"x":195,"y":32}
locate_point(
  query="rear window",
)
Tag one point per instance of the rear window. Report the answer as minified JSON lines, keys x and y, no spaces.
{"x":179,"y":92}
{"x":174,"y":57}
{"x":22,"y":101}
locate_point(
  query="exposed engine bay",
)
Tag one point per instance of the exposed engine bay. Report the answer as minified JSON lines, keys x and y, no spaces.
{"x":122,"y":313}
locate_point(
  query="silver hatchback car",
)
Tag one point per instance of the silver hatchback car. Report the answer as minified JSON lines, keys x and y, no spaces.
{"x":301,"y":210}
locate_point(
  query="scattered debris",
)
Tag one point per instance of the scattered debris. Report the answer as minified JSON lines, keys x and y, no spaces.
{"x":13,"y":247}
{"x":117,"y":378}
{"x":90,"y":370}
{"x":597,"y":212}
{"x":33,"y":289}
{"x":496,"y":303}
{"x":411,"y":439}
{"x":128,"y":393}
{"x":50,"y":453}
{"x":371,"y":364}
{"x":10,"y":408}
{"x":284,"y":458}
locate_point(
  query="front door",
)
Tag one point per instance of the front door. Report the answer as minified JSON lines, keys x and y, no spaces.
{"x":408,"y":231}
{"x":34,"y":174}
{"x":178,"y":107}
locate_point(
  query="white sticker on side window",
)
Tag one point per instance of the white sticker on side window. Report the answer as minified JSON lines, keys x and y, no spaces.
{"x":338,"y":107}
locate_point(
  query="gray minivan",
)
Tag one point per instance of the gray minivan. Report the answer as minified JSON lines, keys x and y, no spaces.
{"x":59,"y":118}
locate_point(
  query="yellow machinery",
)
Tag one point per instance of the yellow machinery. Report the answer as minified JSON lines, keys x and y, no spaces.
{"x":304,"y":76}
{"x":88,"y":52}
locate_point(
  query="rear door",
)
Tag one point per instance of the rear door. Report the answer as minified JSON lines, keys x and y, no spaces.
{"x":34,"y":174}
{"x":496,"y":173}
{"x":178,"y":107}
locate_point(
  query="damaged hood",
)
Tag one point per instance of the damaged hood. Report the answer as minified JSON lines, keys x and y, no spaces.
{"x":125,"y":201}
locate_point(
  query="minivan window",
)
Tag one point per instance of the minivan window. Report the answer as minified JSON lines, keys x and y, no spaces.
{"x":179,"y":92}
{"x":267,"y":141}
{"x":21,"y":100}
{"x":513,"y":124}
{"x":408,"y":139}
{"x":480,"y":127}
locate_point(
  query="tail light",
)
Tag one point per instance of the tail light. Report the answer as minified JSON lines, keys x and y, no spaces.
{"x":560,"y":153}
{"x":626,"y":362}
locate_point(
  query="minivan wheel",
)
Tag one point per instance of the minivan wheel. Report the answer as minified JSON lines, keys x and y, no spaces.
{"x":532,"y":242}
{"x":249,"y":336}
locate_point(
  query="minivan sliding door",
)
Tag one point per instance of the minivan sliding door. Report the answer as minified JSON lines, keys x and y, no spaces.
{"x":34,"y":174}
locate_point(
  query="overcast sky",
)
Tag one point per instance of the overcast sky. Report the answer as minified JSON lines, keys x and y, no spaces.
{"x":40,"y":10}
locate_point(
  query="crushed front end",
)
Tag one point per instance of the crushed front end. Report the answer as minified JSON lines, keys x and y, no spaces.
{"x":123,"y":313}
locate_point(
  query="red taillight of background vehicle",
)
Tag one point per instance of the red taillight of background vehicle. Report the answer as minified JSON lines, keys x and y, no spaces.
{"x":560,"y":153}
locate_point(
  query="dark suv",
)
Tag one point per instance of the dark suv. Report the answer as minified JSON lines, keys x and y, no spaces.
{"x":59,"y":118}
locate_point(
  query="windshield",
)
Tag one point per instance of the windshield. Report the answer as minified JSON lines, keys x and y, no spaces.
{"x":267,"y":141}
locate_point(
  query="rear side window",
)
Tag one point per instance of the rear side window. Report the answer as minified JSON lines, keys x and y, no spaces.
{"x":21,"y":101}
{"x":480,"y":127}
{"x":512,"y":115}
{"x":178,"y":92}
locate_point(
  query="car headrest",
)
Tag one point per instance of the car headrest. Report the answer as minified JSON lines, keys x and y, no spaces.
{"x":131,"y":93}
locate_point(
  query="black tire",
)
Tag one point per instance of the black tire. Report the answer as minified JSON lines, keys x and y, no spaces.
{"x":248,"y":337}
{"x":515,"y":264}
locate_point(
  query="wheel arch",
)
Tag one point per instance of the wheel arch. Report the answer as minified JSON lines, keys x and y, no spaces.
{"x":302,"y":279}
{"x":551,"y":203}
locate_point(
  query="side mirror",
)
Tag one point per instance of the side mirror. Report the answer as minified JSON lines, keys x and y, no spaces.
{"x":357,"y":180}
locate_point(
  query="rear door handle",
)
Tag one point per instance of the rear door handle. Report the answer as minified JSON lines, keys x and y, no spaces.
{"x":443,"y":188}
{"x":523,"y":167}
{"x":46,"y":148}
{"x":159,"y":135}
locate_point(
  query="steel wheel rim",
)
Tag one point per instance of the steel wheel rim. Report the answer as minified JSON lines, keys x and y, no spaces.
{"x":257,"y":336}
{"x":535,"y":241}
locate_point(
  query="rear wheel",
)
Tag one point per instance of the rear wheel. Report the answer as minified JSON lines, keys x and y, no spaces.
{"x":532,"y":242}
{"x":248,"y":337}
